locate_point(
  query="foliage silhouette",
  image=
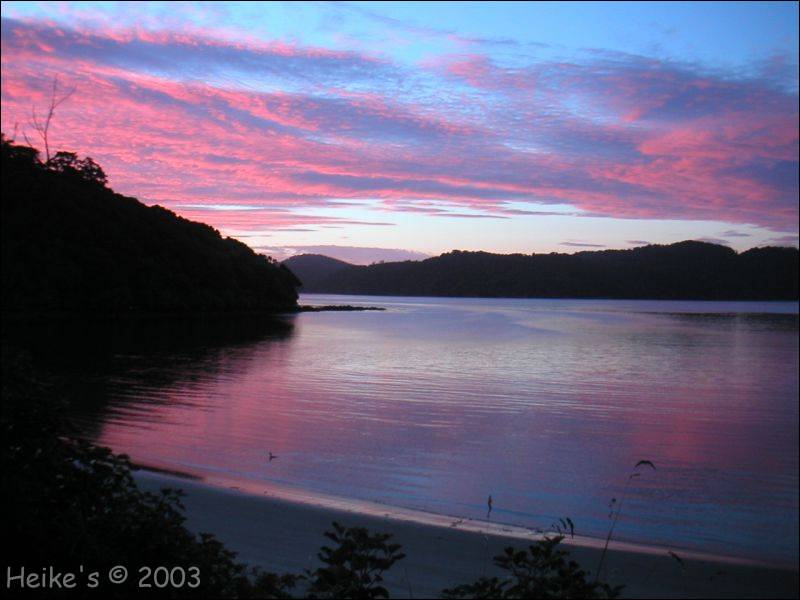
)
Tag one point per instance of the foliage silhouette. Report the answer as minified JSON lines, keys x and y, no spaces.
{"x":71,"y":245}
{"x":70,"y":503}
{"x":354,"y":567}
{"x":685,"y":270}
{"x":543,"y":571}
{"x":68,"y":163}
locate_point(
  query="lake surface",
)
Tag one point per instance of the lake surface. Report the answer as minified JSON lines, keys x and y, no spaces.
{"x":434,"y":404}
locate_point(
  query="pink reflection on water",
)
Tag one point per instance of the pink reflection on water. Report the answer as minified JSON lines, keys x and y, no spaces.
{"x":434,"y":407}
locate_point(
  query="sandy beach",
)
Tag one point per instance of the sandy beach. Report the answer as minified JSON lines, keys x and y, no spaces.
{"x":280,"y":532}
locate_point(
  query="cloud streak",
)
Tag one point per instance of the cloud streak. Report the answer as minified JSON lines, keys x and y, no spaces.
{"x":191,"y":120}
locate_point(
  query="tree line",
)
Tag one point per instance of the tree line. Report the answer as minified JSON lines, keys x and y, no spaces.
{"x":70,"y":244}
{"x":684,"y":270}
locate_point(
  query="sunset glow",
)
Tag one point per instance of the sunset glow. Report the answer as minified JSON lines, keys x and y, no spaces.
{"x":407,"y":127}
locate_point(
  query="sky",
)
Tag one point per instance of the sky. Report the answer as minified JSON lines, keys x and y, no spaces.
{"x":392,"y":131}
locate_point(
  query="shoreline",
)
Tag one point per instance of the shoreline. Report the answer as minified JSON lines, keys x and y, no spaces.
{"x":336,"y":308}
{"x":193,"y":315}
{"x":391,"y":512}
{"x":374,"y":297}
{"x":623,"y":298}
{"x":259,"y":520}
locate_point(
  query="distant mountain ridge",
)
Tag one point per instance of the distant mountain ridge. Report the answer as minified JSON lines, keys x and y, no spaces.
{"x":314,"y":269}
{"x":684,"y":270}
{"x":72,"y":245}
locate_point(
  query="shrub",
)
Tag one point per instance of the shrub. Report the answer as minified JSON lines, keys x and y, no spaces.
{"x":72,"y":504}
{"x":543,"y":571}
{"x":355,"y":567}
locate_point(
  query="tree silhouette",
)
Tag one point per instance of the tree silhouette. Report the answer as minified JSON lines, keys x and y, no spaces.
{"x":684,"y":270}
{"x":68,"y":163}
{"x":25,"y":155}
{"x":72,"y":245}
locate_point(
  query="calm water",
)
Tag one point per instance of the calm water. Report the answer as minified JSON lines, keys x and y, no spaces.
{"x":436,"y":403}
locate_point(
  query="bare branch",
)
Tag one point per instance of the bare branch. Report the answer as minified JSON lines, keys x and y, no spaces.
{"x":27,"y":140}
{"x":43,"y":127}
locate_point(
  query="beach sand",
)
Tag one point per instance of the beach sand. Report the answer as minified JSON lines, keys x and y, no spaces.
{"x":282,"y":533}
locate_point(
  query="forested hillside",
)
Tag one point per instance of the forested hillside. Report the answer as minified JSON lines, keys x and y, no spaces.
{"x":72,"y":245}
{"x":685,"y":270}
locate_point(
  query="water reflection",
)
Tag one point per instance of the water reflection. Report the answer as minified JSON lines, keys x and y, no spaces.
{"x":90,"y":360}
{"x":435,"y":404}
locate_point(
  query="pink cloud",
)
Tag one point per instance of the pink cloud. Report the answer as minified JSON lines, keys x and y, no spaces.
{"x":625,"y":138}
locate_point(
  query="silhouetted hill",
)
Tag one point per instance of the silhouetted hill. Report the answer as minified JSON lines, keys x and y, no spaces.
{"x":313,"y":269}
{"x":685,"y":270}
{"x":70,"y":244}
